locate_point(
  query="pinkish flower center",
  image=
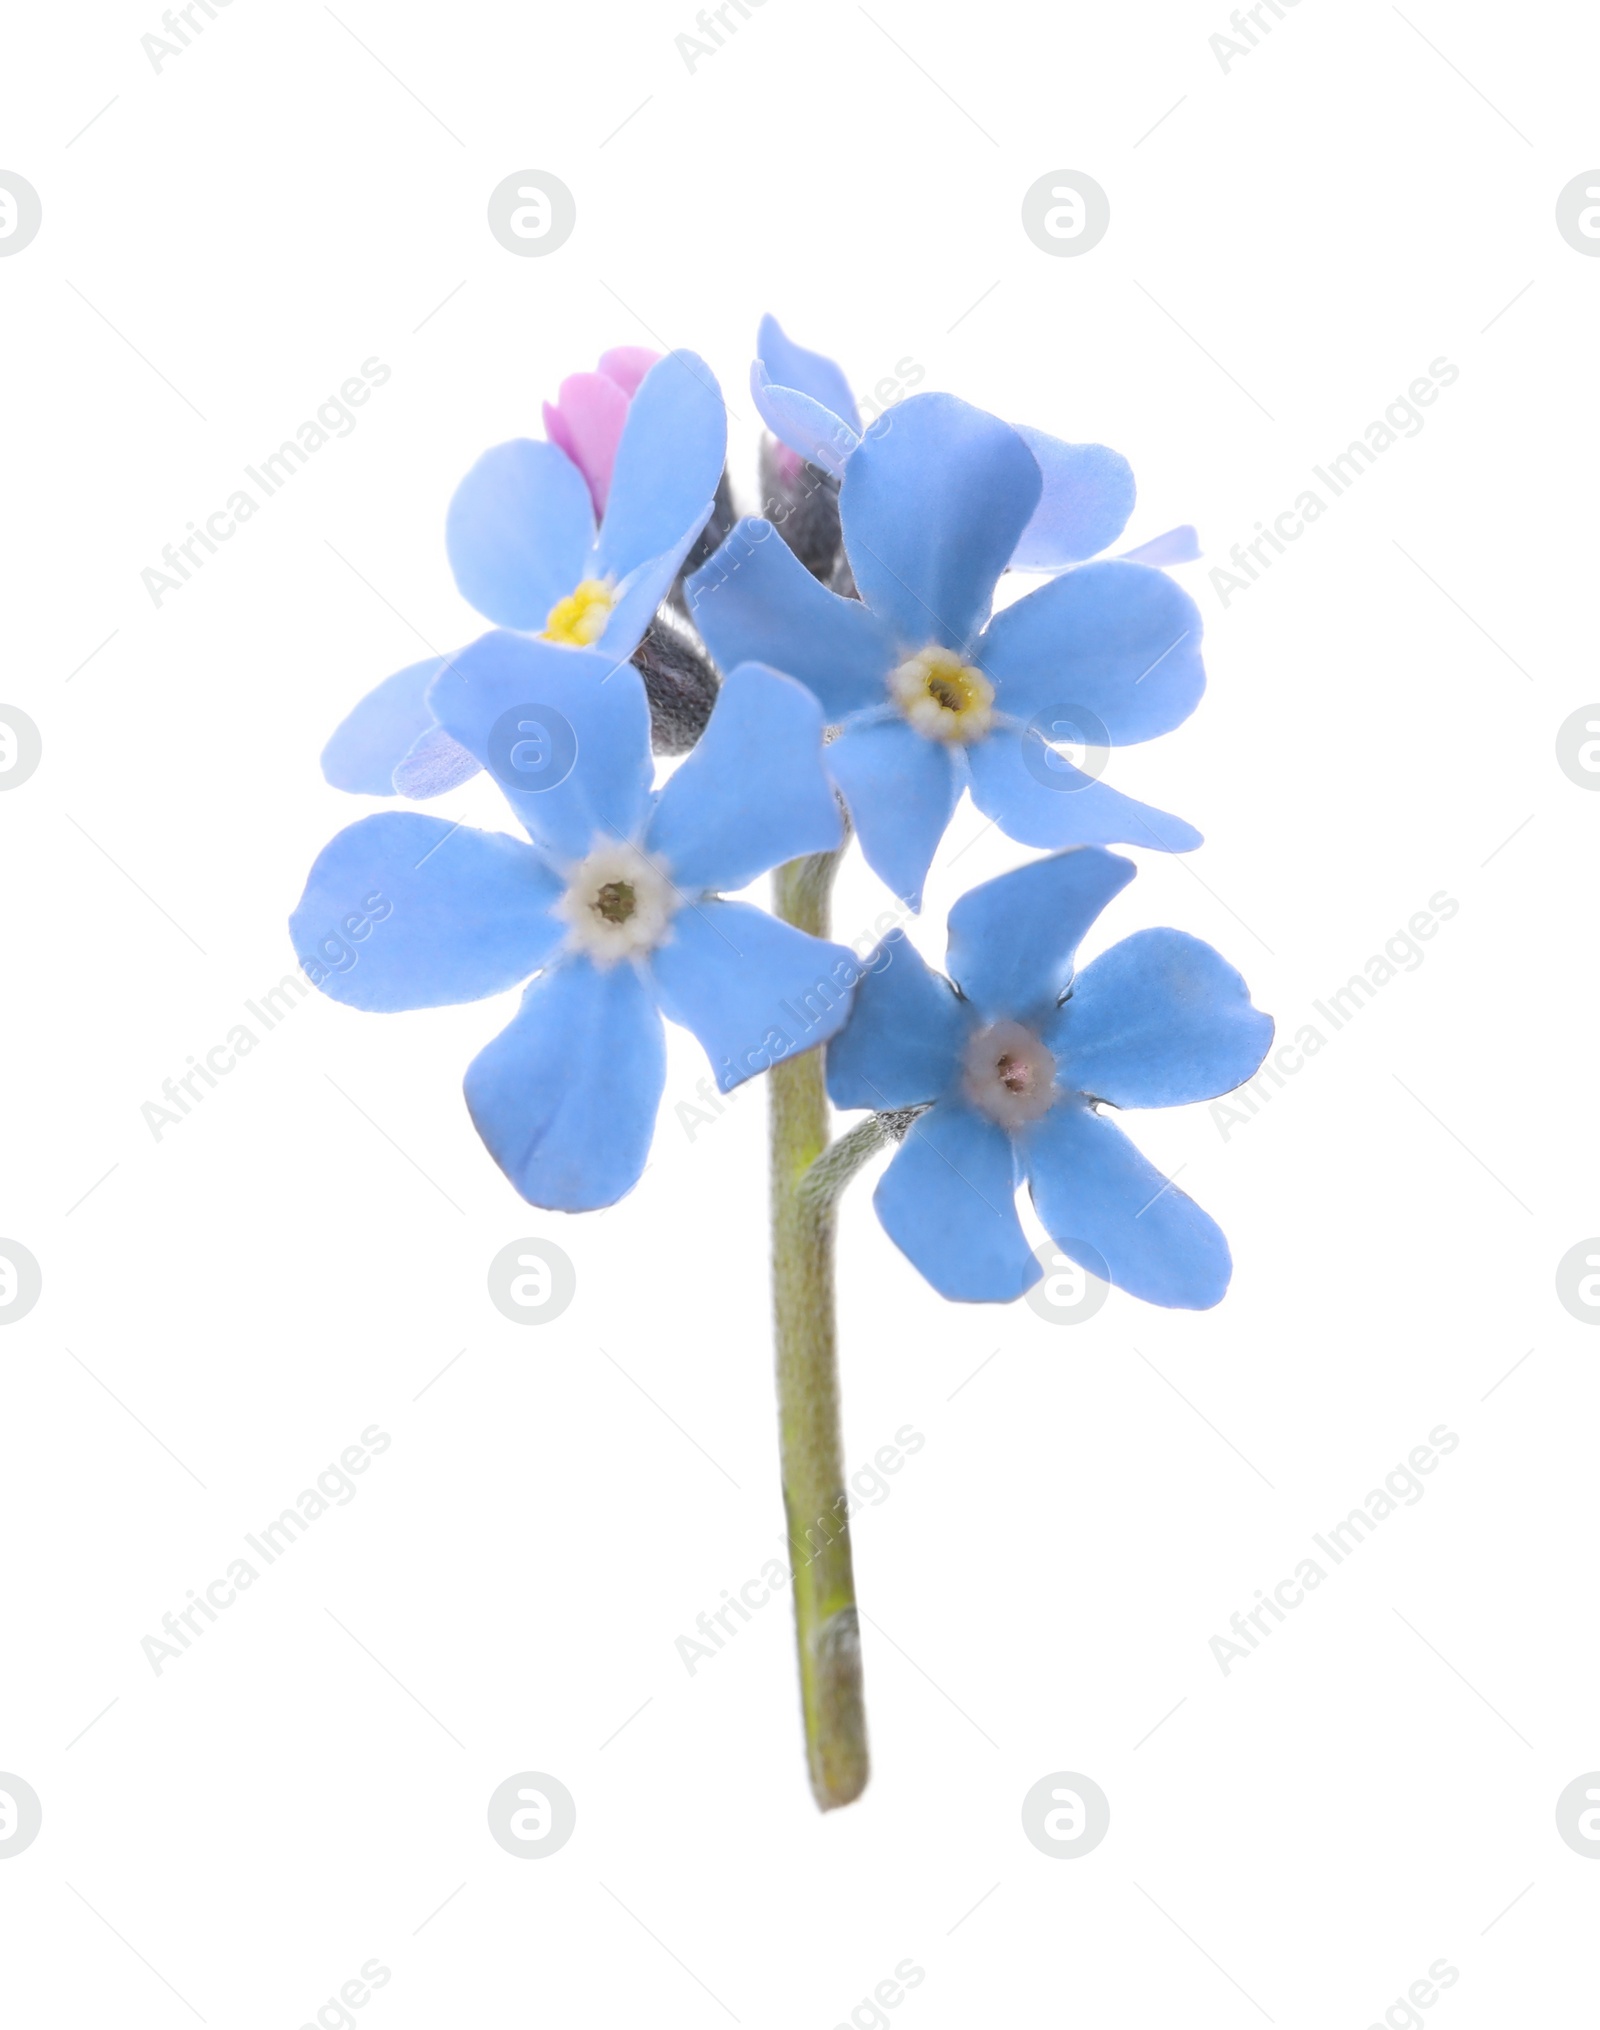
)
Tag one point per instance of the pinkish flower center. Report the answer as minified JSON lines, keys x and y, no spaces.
{"x":1008,"y":1074}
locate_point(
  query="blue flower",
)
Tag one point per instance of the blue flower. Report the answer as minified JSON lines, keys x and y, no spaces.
{"x":931,"y":694}
{"x":614,"y":904}
{"x":804,"y":399}
{"x":526,"y":552}
{"x":1013,"y":1063}
{"x":1087,"y":493}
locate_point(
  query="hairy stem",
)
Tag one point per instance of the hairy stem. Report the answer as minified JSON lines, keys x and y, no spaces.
{"x":823,"y":1184}
{"x":814,"y":1498}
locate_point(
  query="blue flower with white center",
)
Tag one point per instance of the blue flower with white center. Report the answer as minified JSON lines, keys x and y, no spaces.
{"x":527,"y":553}
{"x":930,"y":694}
{"x":1013,"y":1062}
{"x":1087,"y":491}
{"x":612,"y":912}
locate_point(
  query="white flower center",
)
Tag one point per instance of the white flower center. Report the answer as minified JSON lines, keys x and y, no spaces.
{"x":1008,"y":1074}
{"x":619,"y":903}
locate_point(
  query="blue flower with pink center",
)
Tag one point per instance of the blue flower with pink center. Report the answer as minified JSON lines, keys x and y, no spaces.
{"x":1016,"y":1064}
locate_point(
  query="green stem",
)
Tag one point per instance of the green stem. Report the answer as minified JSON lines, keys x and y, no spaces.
{"x":814,"y":1498}
{"x":824,"y":1183}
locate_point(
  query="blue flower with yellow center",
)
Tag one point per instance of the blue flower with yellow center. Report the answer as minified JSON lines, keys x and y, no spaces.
{"x":931,"y":691}
{"x":528,"y":553}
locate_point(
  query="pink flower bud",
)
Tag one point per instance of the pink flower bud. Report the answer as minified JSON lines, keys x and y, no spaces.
{"x":587,"y":417}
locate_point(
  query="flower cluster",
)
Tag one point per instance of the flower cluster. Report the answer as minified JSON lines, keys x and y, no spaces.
{"x":836,"y":663}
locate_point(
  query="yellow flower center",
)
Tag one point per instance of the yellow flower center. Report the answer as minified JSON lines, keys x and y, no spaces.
{"x":580,"y":619}
{"x":943,"y":697}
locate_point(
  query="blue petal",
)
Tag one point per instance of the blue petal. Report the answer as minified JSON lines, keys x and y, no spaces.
{"x":433,"y":764}
{"x":406,"y":911}
{"x":565,"y":1098}
{"x":1013,"y":940}
{"x":1097,"y":1196}
{"x":1174,"y":546}
{"x":635,"y":600}
{"x":366,"y":746}
{"x":948,"y":1202}
{"x":902,"y":1045}
{"x":593,"y":778}
{"x":901,"y":790}
{"x":753,"y":792}
{"x":1118,"y":640}
{"x":1159,"y":1020}
{"x":751,"y":987}
{"x":667,"y":466}
{"x":811,"y":373}
{"x":932,"y":506}
{"x":518,"y":532}
{"x":755,"y":602}
{"x":1061,"y":806}
{"x":805,"y":425}
{"x":1087,"y":499}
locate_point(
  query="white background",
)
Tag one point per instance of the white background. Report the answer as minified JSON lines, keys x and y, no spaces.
{"x":1298,"y":1841}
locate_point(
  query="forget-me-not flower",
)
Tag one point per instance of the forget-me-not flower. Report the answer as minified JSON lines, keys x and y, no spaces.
{"x":529,"y":552}
{"x":611,"y":911}
{"x":931,"y":694}
{"x":1013,"y":1062}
